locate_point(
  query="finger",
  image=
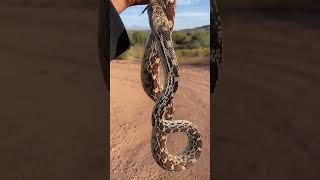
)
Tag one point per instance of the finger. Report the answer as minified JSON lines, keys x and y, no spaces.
{"x":120,"y":5}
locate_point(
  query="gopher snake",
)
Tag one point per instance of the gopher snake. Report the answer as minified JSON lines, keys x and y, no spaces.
{"x":159,"y":50}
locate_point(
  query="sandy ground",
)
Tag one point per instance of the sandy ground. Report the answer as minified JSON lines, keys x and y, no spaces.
{"x":130,"y":118}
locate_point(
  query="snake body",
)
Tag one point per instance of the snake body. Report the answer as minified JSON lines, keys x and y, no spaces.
{"x":159,"y":51}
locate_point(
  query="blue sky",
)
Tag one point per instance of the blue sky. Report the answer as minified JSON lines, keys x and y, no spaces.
{"x":189,"y":14}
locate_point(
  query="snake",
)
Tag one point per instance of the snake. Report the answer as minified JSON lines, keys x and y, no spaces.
{"x":159,"y":52}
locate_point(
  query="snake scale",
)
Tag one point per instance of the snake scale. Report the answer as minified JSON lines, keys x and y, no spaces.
{"x":159,"y":51}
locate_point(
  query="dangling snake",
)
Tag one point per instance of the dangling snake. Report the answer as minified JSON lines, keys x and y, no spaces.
{"x":159,"y":50}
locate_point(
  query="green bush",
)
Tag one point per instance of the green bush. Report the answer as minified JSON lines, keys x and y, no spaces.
{"x":138,"y":37}
{"x":191,"y":47}
{"x":134,"y":53}
{"x":193,"y":56}
{"x":201,"y":52}
{"x":201,"y":39}
{"x":179,"y":37}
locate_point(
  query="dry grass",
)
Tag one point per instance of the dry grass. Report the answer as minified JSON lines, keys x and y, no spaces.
{"x":184,"y":56}
{"x":134,"y":53}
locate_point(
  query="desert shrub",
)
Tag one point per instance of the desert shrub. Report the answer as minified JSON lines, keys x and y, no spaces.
{"x":125,"y":55}
{"x":179,"y":37}
{"x":131,"y":39}
{"x":191,"y":40}
{"x":139,"y":37}
{"x":201,"y":39}
{"x":201,"y":52}
{"x":134,"y":53}
{"x":193,"y":56}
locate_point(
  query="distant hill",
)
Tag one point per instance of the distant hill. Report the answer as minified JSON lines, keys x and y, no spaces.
{"x":137,"y":28}
{"x":205,"y":28}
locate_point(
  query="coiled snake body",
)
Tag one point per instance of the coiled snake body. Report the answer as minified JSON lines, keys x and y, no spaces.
{"x":159,"y":49}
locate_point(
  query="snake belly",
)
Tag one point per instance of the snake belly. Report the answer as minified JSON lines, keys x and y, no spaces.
{"x":159,"y":51}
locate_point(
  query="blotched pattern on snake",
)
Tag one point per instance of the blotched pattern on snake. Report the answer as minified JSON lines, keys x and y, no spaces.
{"x":159,"y":50}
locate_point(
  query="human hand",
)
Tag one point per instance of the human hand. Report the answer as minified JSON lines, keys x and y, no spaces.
{"x":121,"y":5}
